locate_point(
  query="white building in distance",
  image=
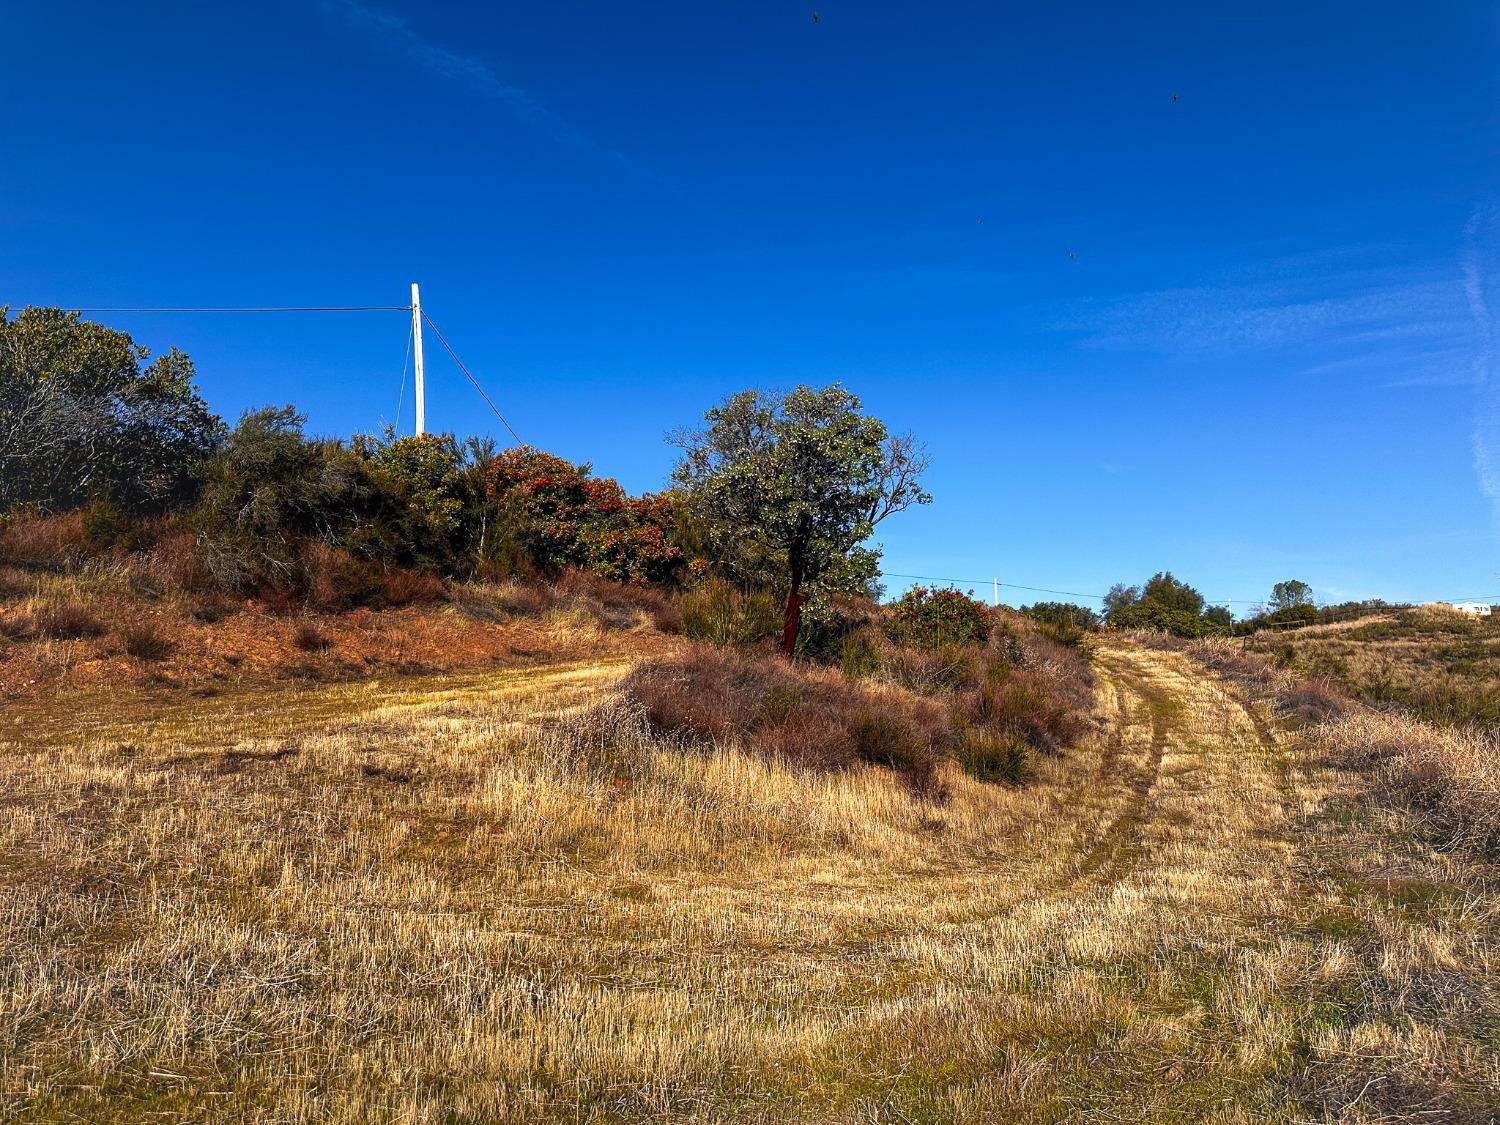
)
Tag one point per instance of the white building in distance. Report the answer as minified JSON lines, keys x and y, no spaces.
{"x":1475,"y":609}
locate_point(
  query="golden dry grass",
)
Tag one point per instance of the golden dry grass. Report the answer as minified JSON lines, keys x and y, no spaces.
{"x":1441,"y":665}
{"x":495,"y":899}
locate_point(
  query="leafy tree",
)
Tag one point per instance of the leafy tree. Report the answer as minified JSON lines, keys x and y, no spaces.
{"x":1172,"y":594}
{"x":1165,"y":603}
{"x":426,"y":473}
{"x":83,"y":415}
{"x":1218,"y":616}
{"x":270,"y":489}
{"x":1118,"y":600}
{"x":1285,"y":595}
{"x":793,"y":484}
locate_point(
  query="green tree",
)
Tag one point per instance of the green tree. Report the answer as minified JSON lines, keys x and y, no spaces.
{"x":794,"y":484}
{"x":83,"y":415}
{"x":1172,"y":594}
{"x":1119,"y":600}
{"x":1285,"y":595}
{"x":1165,"y":603}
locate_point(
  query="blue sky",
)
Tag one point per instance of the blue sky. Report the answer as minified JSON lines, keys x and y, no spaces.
{"x":1245,"y":335}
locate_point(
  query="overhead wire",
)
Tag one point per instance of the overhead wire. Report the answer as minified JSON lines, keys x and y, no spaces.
{"x":468,"y":375}
{"x":401,"y":398}
{"x":304,"y":309}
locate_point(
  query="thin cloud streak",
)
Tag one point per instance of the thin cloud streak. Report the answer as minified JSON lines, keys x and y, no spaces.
{"x":392,"y":31}
{"x":1338,"y":308}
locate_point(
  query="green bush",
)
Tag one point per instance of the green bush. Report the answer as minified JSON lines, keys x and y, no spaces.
{"x":715,"y":611}
{"x":925,"y":618}
{"x":1064,"y":622}
{"x":998,"y":759}
{"x":859,"y":656}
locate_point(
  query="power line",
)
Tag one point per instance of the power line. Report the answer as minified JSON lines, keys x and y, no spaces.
{"x":401,"y":398}
{"x":309,"y":309}
{"x":982,"y":581}
{"x":438,"y":333}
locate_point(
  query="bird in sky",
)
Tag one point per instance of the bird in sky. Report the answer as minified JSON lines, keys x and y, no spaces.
{"x":1177,"y":97}
{"x":1073,"y":255}
{"x":815,"y":17}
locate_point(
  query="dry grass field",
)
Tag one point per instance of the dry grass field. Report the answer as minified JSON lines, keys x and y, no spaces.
{"x":1442,"y":665}
{"x":492,"y":897}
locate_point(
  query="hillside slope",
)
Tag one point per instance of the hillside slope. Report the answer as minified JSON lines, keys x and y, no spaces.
{"x":494,"y":898}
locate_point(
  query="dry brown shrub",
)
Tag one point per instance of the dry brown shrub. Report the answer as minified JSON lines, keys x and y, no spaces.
{"x":14,"y":583}
{"x":146,"y":642}
{"x":309,"y":637}
{"x":49,"y":541}
{"x":805,"y":716}
{"x":616,"y":605}
{"x":334,"y":579}
{"x":1025,"y":704}
{"x":1448,"y":776}
{"x":1312,"y":701}
{"x":410,"y":587}
{"x":176,"y":560}
{"x":62,"y":621}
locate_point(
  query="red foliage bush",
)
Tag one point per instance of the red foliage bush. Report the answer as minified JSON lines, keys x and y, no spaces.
{"x":570,"y":518}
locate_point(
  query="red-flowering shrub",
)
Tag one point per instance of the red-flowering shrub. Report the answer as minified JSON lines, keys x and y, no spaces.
{"x":568,"y":517}
{"x":926,"y":618}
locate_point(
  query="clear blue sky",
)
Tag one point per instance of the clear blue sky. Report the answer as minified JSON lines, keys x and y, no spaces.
{"x":1271,"y":357}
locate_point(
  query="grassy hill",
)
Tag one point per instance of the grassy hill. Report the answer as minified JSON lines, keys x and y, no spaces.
{"x":496,"y":895}
{"x":1439,"y":664}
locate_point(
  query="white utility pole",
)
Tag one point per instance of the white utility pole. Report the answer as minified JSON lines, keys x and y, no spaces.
{"x":416,"y":335}
{"x":997,"y":591}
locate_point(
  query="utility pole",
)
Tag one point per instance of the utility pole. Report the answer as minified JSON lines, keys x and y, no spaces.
{"x":997,"y":592}
{"x":416,"y":335}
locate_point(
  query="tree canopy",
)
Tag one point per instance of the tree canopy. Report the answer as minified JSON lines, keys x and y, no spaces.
{"x":83,"y":415}
{"x":792,"y":484}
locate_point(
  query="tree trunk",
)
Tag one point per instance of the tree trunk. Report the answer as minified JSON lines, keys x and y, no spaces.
{"x":794,"y":602}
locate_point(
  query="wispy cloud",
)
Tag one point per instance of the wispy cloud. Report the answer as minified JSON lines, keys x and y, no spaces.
{"x":478,"y":77}
{"x":1481,"y":241}
{"x":1343,"y":313}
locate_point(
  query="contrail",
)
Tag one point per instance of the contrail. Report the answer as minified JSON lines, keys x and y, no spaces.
{"x":1481,"y":234}
{"x":477,"y":76}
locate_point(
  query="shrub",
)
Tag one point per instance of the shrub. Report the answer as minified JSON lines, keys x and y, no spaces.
{"x":717,"y":612}
{"x":333,"y":579}
{"x":925,"y":618}
{"x":1062,"y":621}
{"x":564,"y":516}
{"x":999,"y":759}
{"x":82,"y":411}
{"x":144,"y":642}
{"x":53,"y":622}
{"x":1312,"y":701}
{"x":860,"y":656}
{"x":409,"y":587}
{"x":308,"y":637}
{"x":44,"y":541}
{"x":803,"y":715}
